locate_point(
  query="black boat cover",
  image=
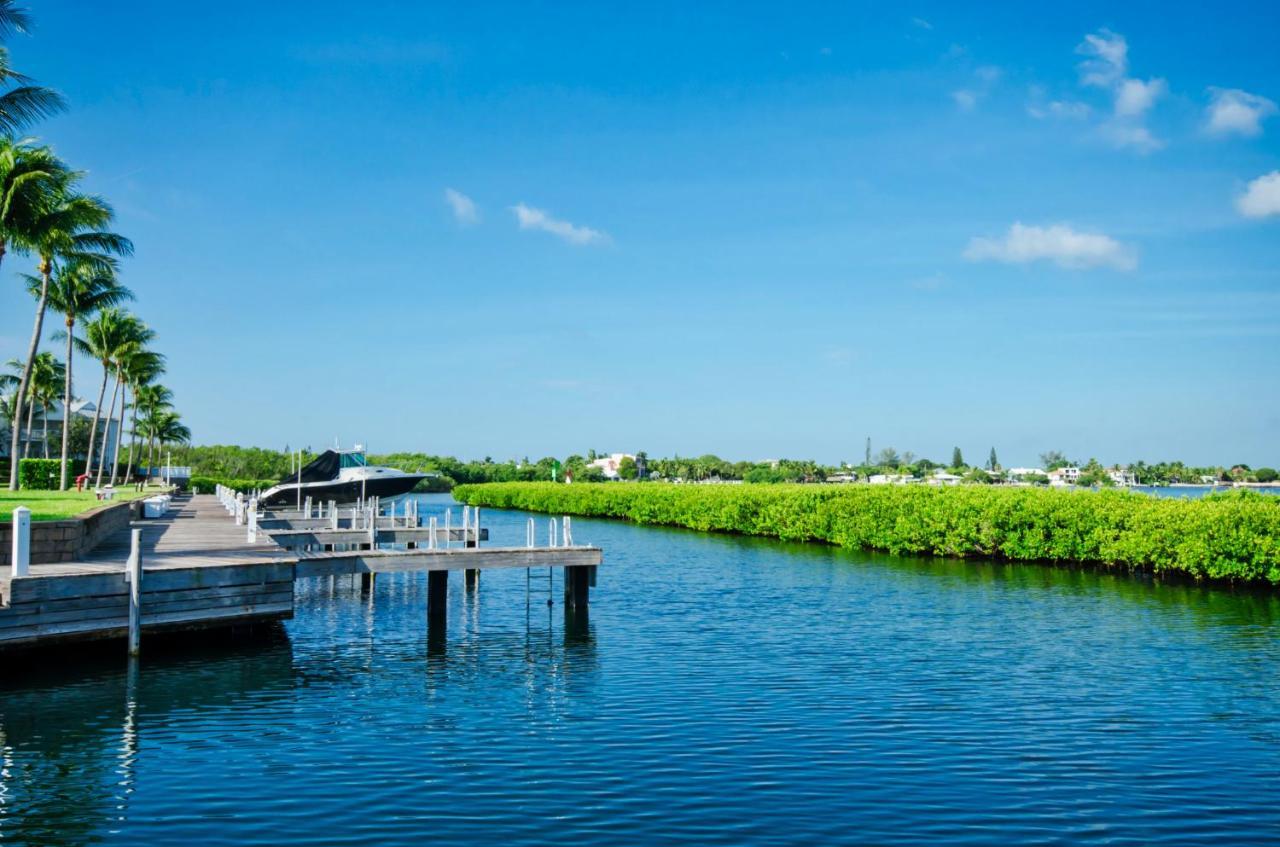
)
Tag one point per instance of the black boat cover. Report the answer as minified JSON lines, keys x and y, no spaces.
{"x":320,"y":469}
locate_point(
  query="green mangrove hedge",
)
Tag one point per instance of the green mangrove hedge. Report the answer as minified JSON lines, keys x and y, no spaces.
{"x":1234,"y":536}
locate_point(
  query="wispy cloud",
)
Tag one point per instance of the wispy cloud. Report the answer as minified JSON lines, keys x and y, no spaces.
{"x":1261,"y":197}
{"x":921,"y":23}
{"x":984,"y":78}
{"x":1059,"y":243}
{"x":465,"y":210}
{"x":1106,"y":66}
{"x":1236,"y":112}
{"x":531,"y":218}
{"x":1107,"y":59}
{"x":1060,"y":109}
{"x":965,"y":99}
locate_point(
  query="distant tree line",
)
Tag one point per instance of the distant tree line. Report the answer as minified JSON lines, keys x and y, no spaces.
{"x":258,"y":463}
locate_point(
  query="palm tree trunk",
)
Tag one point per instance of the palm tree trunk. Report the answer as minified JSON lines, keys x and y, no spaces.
{"x":66,"y":403}
{"x":25,"y":382}
{"x":44,"y":426}
{"x":133,"y":443}
{"x":106,"y":430}
{"x":97,"y":414}
{"x":124,"y":401}
{"x":31,"y":427}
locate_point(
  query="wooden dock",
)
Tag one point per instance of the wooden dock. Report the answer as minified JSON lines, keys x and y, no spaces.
{"x":199,"y":569}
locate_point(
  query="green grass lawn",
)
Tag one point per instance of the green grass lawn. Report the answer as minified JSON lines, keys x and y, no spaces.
{"x":56,"y":505}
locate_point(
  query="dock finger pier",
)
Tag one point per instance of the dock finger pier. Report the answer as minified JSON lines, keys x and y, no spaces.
{"x":215,"y":560}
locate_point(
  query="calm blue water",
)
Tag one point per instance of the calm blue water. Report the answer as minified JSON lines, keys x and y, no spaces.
{"x":724,"y":691}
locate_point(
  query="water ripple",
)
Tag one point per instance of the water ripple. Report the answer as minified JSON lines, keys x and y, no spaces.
{"x":724,"y":691}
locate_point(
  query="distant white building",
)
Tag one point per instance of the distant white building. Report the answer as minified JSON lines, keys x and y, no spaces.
{"x":1122,"y":477}
{"x":941,"y":477}
{"x":1023,"y":473}
{"x":609,"y":465}
{"x":1069,"y":475}
{"x":33,"y":436}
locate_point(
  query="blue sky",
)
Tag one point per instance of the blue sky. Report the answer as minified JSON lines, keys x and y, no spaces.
{"x":755,"y":230}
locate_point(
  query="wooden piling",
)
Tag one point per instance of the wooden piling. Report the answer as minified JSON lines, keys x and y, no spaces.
{"x":471,"y":578}
{"x":437,"y":594}
{"x":134,"y":567}
{"x":577,"y":586}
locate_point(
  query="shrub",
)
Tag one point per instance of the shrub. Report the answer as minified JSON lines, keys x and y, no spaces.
{"x":39,"y":474}
{"x":1232,"y":536}
{"x":208,"y":484}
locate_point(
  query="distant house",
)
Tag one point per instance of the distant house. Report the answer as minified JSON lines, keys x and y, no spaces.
{"x":1069,"y":475}
{"x":842,"y":476}
{"x":941,"y":477}
{"x":1122,"y":476}
{"x":33,"y":437}
{"x":609,"y":465}
{"x":1023,"y":473}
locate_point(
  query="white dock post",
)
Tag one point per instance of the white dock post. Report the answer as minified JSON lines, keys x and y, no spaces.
{"x":475,"y":516}
{"x":431,"y":539}
{"x":551,"y":534}
{"x":20,"y":558}
{"x":134,"y":575}
{"x":333,"y":514}
{"x":373,"y":525}
{"x":306,"y":507}
{"x":239,"y":509}
{"x":566,"y":536}
{"x":466,"y":523}
{"x":529,"y":534}
{"x":448,"y":519}
{"x":253,"y":521}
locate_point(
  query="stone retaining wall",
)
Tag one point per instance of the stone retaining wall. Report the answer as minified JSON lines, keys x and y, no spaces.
{"x":70,"y":539}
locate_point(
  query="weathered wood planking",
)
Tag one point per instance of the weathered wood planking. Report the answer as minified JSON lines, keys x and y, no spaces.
{"x":200,"y":569}
{"x":396,"y":561}
{"x":292,"y":539}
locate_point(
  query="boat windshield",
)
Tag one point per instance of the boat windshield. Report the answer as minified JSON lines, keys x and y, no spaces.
{"x":353,"y":460}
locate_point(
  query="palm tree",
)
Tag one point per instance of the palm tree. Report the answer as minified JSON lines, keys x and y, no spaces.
{"x":148,"y":402}
{"x":78,"y":288}
{"x":25,"y":102}
{"x":47,"y":375}
{"x":103,"y":337}
{"x":134,"y":337}
{"x":9,"y":382}
{"x":69,"y":227}
{"x":166,"y":427}
{"x":28,"y":175}
{"x":141,"y":367}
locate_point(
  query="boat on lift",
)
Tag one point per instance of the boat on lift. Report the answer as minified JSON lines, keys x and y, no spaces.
{"x":343,"y":476}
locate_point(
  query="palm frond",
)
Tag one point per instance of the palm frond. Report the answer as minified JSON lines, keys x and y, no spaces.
{"x":13,"y":18}
{"x":22,"y":106}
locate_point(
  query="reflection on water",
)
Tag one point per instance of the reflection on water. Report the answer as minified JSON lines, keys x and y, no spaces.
{"x":719,"y":690}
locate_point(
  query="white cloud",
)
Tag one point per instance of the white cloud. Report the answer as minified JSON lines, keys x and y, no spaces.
{"x":965,"y":99}
{"x":465,"y":210}
{"x":1135,"y":97}
{"x":988,"y":73}
{"x":1059,"y":243}
{"x":1107,"y":66}
{"x":922,"y":23}
{"x":1261,"y":197}
{"x":1062,"y":109}
{"x":1108,"y":60}
{"x":1238,"y":112}
{"x":531,"y":218}
{"x":1135,"y":136}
